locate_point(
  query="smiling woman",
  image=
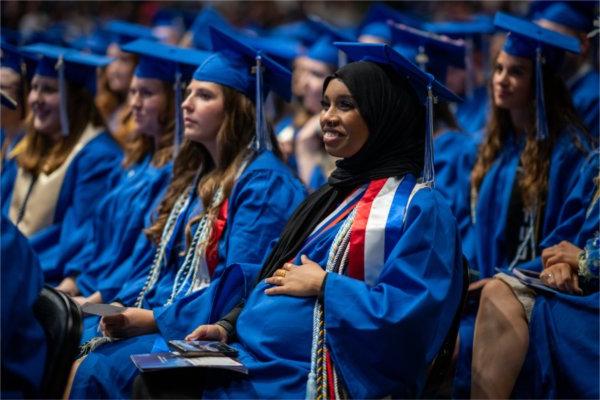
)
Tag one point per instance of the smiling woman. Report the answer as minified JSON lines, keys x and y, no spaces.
{"x":344,"y":130}
{"x":370,"y":263}
{"x":67,"y":158}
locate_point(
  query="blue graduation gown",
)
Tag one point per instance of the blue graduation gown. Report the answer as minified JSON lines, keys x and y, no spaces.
{"x":87,"y":179}
{"x":381,"y":338}
{"x":455,"y":155}
{"x":23,"y":339}
{"x":472,"y":113}
{"x":8,"y":174}
{"x":115,"y":226}
{"x":564,"y":348}
{"x":567,"y":201}
{"x":260,"y":203}
{"x":485,"y":248}
{"x":586,"y":100}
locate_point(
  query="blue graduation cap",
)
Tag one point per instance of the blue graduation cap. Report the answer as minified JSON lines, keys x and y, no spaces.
{"x":170,"y":64}
{"x":8,"y":101}
{"x":475,"y":32}
{"x":426,"y":87}
{"x":323,"y":49}
{"x":124,"y":32}
{"x":431,"y":52}
{"x":577,"y":15}
{"x":283,"y":50}
{"x":96,"y":43}
{"x":526,"y":39}
{"x":65,"y":65}
{"x":377,"y":29}
{"x":380,"y":12}
{"x":10,"y":57}
{"x":200,"y":28}
{"x":301,"y":31}
{"x":249,"y":71}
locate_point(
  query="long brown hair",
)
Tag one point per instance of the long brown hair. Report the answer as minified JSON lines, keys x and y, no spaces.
{"x":138,"y":146}
{"x":42,"y":153}
{"x":234,"y":138}
{"x":535,"y":157}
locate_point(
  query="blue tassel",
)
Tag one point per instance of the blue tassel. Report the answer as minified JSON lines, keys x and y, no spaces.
{"x":541,"y":124}
{"x":428,"y":171}
{"x":470,"y":78}
{"x":62,"y":89}
{"x":262,"y":141}
{"x":178,"y":139}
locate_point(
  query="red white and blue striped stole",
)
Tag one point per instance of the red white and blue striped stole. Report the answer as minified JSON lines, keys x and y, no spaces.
{"x":335,"y":217}
{"x":377,"y":226}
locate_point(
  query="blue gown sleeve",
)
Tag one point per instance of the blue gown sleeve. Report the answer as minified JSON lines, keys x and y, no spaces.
{"x":23,"y":339}
{"x":260,"y":205}
{"x":383,"y":338}
{"x":573,"y":217}
{"x":86,"y":181}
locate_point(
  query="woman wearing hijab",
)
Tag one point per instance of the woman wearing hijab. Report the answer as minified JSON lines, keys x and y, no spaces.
{"x":229,"y":198}
{"x":359,"y":292}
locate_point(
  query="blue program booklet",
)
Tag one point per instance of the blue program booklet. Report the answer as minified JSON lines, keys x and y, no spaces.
{"x":174,"y":359}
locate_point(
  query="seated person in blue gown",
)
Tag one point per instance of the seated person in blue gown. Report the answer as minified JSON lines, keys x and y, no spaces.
{"x":66,"y":160}
{"x":577,"y":19}
{"x":11,"y":119}
{"x":229,"y":199}
{"x":114,"y":82}
{"x":527,"y":164}
{"x":455,"y":151}
{"x":537,"y":344}
{"x":358,"y":295}
{"x":110,"y":236}
{"x":23,"y":339}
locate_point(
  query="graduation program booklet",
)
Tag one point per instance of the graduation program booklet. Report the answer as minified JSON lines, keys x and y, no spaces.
{"x":168,"y":360}
{"x":102,"y":310}
{"x":531,"y":279}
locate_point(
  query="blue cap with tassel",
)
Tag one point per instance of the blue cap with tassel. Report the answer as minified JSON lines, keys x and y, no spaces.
{"x":542,"y":46}
{"x":237,"y":65}
{"x":171,"y":64}
{"x":65,"y":65}
{"x":426,"y":87}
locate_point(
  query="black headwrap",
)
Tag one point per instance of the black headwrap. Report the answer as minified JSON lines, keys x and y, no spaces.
{"x":395,"y":146}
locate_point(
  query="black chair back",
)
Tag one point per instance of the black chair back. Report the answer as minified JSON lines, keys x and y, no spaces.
{"x":440,"y":367}
{"x":60,"y":317}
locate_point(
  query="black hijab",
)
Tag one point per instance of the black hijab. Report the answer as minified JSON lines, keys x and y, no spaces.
{"x":395,"y":146}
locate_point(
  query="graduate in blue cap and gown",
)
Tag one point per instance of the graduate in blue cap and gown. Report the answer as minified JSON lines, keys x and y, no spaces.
{"x":12,"y":127}
{"x":528,"y":162}
{"x":455,"y":151}
{"x":470,"y":80}
{"x":312,"y":162}
{"x":581,"y":76}
{"x":110,"y":236}
{"x":357,"y":296}
{"x":229,"y":198}
{"x":545,"y":344}
{"x":114,"y":82}
{"x":23,"y":339}
{"x":67,"y":159}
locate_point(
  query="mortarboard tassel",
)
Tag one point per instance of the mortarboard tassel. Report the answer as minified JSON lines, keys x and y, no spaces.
{"x":62,"y":89}
{"x":178,"y":117}
{"x":428,"y":171}
{"x":262,"y":141}
{"x":541,"y":124}
{"x":470,"y":78}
